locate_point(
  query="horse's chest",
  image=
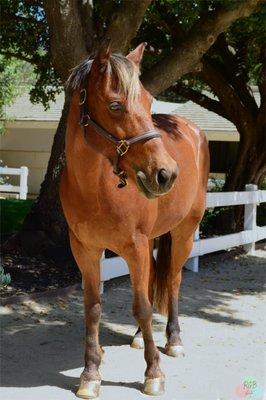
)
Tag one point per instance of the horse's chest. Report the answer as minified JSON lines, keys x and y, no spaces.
{"x":107,"y":221}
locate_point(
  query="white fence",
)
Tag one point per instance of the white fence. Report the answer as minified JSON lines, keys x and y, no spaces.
{"x":22,"y":189}
{"x":251,"y":233}
{"x":116,"y":266}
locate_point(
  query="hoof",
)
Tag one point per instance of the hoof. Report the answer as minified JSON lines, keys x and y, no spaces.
{"x":175,"y":351}
{"x":88,"y":389}
{"x":137,"y":343}
{"x":154,"y":387}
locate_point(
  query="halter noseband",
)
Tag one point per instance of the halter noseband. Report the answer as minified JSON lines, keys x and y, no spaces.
{"x":122,"y":146}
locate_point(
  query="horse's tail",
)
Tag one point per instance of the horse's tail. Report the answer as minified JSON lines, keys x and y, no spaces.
{"x":162,"y":269}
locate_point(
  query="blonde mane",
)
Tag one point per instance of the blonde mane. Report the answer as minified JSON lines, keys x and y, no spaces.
{"x":125,"y":71}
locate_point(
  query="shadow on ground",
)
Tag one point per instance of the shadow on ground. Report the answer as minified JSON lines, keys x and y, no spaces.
{"x":41,"y":339}
{"x":223,"y":277}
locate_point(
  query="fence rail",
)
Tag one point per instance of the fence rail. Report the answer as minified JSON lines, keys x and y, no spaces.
{"x":22,"y":189}
{"x":250,"y":198}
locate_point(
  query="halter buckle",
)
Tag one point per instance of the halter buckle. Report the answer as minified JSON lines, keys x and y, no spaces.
{"x":122,"y":148}
{"x":82,"y":96}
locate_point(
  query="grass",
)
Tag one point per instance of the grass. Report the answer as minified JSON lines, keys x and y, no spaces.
{"x":13,"y":213}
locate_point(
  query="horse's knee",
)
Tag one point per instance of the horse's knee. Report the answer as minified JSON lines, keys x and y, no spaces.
{"x":142,"y":311}
{"x":94,"y":312}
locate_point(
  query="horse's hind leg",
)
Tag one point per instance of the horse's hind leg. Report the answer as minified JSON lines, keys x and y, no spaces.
{"x":138,"y":342}
{"x":182,"y":242}
{"x":88,"y":263}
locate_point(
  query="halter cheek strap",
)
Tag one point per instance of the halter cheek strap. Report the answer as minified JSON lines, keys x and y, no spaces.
{"x":122,"y":146}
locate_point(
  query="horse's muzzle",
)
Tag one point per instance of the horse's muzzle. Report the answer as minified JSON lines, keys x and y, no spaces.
{"x":161,"y":182}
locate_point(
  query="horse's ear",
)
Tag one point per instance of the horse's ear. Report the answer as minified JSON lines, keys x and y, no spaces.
{"x":137,"y":54}
{"x":103,"y":54}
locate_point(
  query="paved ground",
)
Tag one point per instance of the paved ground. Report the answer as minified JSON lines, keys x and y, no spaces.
{"x":223,"y":330}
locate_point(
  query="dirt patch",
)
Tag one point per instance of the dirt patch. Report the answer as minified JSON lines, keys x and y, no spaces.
{"x":33,"y":275}
{"x":222,"y":325}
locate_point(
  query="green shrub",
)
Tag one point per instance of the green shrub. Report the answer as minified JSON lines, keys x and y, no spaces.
{"x":5,"y":279}
{"x":13,"y":213}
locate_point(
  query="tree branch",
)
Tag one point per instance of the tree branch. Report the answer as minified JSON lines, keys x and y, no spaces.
{"x":66,"y":35}
{"x":231,"y":70}
{"x":200,"y":99}
{"x":185,"y":57}
{"x":20,"y":56}
{"x":125,"y":23}
{"x":86,"y":17}
{"x":171,"y":21}
{"x":236,"y":111}
{"x":6,"y":18}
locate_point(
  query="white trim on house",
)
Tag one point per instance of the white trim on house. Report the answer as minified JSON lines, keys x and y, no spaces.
{"x":31,"y":124}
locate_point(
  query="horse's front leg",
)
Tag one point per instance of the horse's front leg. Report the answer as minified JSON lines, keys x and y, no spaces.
{"x":137,"y":342}
{"x":138,"y":258}
{"x":88,"y":262}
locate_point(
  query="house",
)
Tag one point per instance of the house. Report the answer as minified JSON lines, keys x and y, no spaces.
{"x":30,"y":130}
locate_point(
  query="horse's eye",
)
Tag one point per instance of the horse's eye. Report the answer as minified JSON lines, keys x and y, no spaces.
{"x":116,"y":106}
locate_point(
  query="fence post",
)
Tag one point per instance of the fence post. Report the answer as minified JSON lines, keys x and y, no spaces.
{"x":101,"y":281}
{"x":23,"y":187}
{"x":250,"y":218}
{"x":193,"y":263}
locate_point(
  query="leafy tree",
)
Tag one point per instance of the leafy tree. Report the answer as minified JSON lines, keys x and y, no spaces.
{"x":15,"y":77}
{"x":228,"y":69}
{"x":54,"y":36}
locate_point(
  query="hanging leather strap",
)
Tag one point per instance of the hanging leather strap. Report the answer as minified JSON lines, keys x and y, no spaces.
{"x":122,"y":145}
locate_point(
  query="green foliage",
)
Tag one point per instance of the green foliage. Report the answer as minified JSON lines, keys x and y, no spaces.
{"x":3,"y":178}
{"x":24,"y":34}
{"x":9,"y":69}
{"x":209,"y":219}
{"x":5,"y":279}
{"x":13,"y":213}
{"x":208,"y":222}
{"x":246,"y":36}
{"x":168,"y":21}
{"x":15,"y":77}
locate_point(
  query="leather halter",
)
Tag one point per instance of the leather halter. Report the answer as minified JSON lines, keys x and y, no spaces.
{"x":122,"y":145}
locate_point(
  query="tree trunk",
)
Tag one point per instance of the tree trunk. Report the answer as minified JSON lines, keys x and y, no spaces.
{"x":250,"y":163}
{"x":45,"y":230}
{"x":249,"y":167}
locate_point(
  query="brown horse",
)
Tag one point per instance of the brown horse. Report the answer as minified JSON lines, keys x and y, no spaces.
{"x":161,"y":169}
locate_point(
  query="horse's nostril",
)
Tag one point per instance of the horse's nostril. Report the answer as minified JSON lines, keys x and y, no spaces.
{"x":163,"y":177}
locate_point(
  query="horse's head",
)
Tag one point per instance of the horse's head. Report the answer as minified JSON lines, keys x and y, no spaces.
{"x":119,"y":103}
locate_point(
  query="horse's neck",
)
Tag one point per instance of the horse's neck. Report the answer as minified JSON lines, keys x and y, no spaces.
{"x":84,"y":164}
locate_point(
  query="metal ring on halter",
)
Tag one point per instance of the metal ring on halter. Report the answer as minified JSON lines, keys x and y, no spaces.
{"x":85,"y":120}
{"x":82,"y":96}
